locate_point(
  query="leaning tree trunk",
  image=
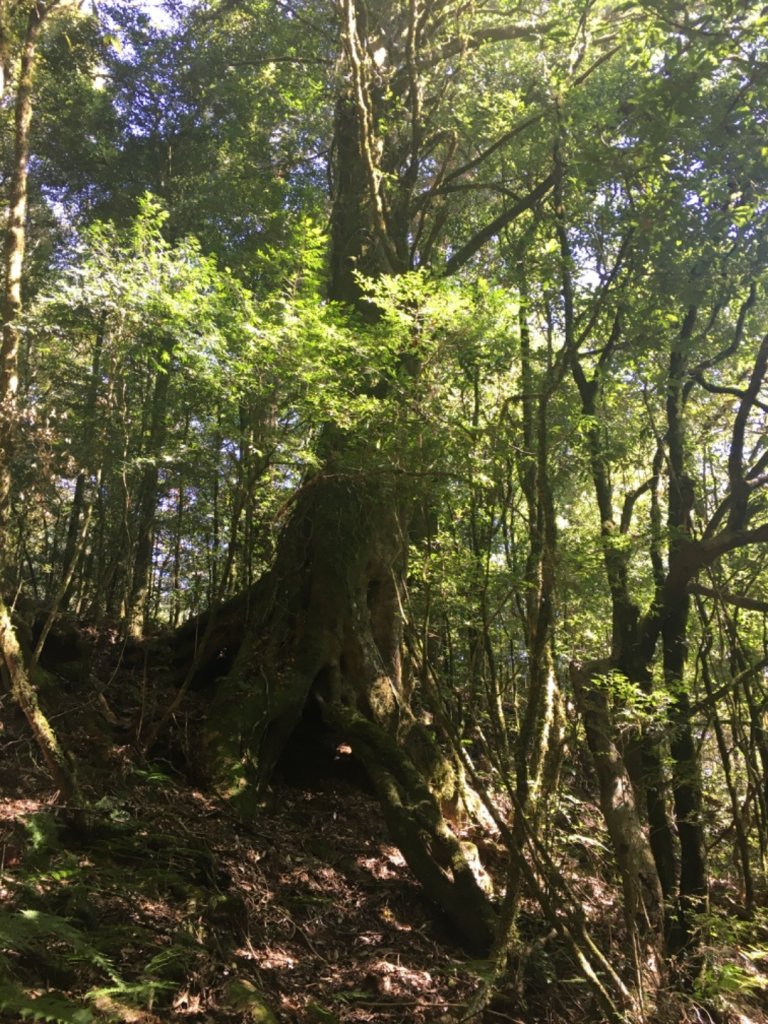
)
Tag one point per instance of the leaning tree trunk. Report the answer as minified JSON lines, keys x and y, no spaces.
{"x":643,"y":895}
{"x":326,"y":631}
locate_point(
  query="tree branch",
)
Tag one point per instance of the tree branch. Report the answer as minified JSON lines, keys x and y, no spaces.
{"x":738,"y":600}
{"x":726,"y":688}
{"x":487,"y":34}
{"x":736,"y":476}
{"x":470,"y":165}
{"x":738,"y":334}
{"x":629,"y":504}
{"x":723,"y":389}
{"x":478,"y":240}
{"x":366,"y":129}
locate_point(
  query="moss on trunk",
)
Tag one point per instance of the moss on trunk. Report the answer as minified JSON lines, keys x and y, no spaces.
{"x":326,"y":627}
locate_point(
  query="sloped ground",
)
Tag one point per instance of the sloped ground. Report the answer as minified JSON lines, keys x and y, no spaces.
{"x":165,"y":907}
{"x":168,"y":909}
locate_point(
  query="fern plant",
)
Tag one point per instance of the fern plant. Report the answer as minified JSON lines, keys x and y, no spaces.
{"x":46,"y":1007}
{"x":34,"y":932}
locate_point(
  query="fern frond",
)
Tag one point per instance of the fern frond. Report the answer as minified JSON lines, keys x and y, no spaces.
{"x":55,"y":1009}
{"x":31,"y":930}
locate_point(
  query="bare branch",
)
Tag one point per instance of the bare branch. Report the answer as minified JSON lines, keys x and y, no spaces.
{"x":470,"y":165}
{"x":736,"y":476}
{"x":729,"y":350}
{"x":738,"y":600}
{"x":728,"y":687}
{"x":723,"y":389}
{"x":487,"y":34}
{"x":629,"y":504}
{"x":732,"y":540}
{"x":597,"y":306}
{"x":478,"y":240}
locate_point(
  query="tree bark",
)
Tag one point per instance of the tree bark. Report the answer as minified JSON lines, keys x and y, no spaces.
{"x":13,"y":258}
{"x":326,"y":621}
{"x":686,"y":779}
{"x":633,"y":637}
{"x":326,"y":629}
{"x":146,"y":502}
{"x":643,"y":895}
{"x":21,"y":686}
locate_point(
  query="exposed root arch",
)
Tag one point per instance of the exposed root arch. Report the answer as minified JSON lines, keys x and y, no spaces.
{"x":326,"y":627}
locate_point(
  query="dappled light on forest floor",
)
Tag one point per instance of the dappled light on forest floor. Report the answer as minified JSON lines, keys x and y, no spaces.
{"x":167,"y":908}
{"x":384,"y":410}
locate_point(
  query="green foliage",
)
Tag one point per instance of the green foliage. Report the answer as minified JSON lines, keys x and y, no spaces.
{"x":735,"y":959}
{"x":719,"y":982}
{"x":54,"y":939}
{"x":634,"y":706}
{"x":203,"y":116}
{"x":140,"y":993}
{"x":42,"y":832}
{"x":47,"y":1007}
{"x":45,"y":934}
{"x":562,"y":415}
{"x":159,"y":332}
{"x":51,"y":939}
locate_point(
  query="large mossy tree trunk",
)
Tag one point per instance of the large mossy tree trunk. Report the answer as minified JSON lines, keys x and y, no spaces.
{"x":326,"y":629}
{"x":326,"y":626}
{"x":325,"y":623}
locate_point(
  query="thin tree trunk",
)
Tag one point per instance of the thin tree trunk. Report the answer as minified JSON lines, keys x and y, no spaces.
{"x":24,"y":693}
{"x":686,"y":780}
{"x":532,"y":745}
{"x":742,"y":841}
{"x":14,"y":248}
{"x":643,"y":896}
{"x":74,"y":546}
{"x":633,"y":643}
{"x":138,"y":596}
{"x":21,"y":686}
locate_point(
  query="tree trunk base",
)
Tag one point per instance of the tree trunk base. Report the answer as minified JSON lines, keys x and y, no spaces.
{"x":323,"y":646}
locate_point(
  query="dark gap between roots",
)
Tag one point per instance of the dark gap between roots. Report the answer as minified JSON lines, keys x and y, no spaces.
{"x":317,"y":756}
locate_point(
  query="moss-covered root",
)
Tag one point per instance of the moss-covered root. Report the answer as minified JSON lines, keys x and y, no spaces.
{"x":417,"y":826}
{"x":24,"y":693}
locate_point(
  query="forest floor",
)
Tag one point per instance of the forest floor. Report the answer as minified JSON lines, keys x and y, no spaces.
{"x":182,"y":913}
{"x":164,"y":907}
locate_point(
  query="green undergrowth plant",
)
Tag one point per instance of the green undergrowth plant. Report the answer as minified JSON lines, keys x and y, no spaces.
{"x":56,"y":946}
{"x":36,"y":947}
{"x":47,"y":1007}
{"x":79,"y":932}
{"x":735,"y":964}
{"x":51,"y":938}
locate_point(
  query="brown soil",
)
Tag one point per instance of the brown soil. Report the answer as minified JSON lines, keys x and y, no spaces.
{"x":164,"y":907}
{"x":310,"y":912}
